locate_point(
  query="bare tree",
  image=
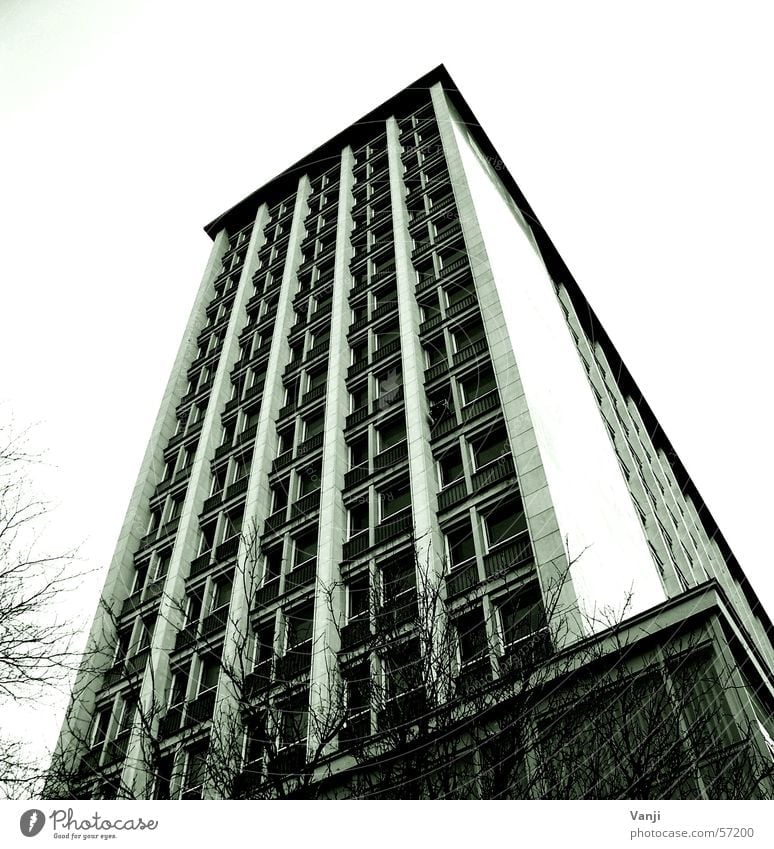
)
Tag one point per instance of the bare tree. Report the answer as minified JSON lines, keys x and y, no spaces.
{"x":36,"y":640}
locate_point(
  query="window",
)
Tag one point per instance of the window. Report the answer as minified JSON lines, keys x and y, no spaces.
{"x":359,"y":352}
{"x":504,"y":521}
{"x":391,"y":433}
{"x":207,"y":539}
{"x":435,"y":353}
{"x":285,"y":441}
{"x":194,"y":773}
{"x":221,"y":593}
{"x":161,"y":566}
{"x":294,"y":720}
{"x":450,"y":468}
{"x":99,"y":726}
{"x":298,"y":629}
{"x":143,"y":634}
{"x":459,"y":545}
{"x":209,"y":673}
{"x":471,"y":636}
{"x":399,"y":581}
{"x":520,"y":615}
{"x":194,"y":605}
{"x":279,"y":495}
{"x":272,"y":562}
{"x":232,"y":524}
{"x":163,"y":781}
{"x":489,"y":446}
{"x":389,"y":384}
{"x":264,"y":645}
{"x":402,"y":670}
{"x":358,"y":696}
{"x":481,"y":382}
{"x":358,"y":397}
{"x":305,"y":547}
{"x":358,"y":598}
{"x":395,"y":499}
{"x":313,"y":426}
{"x":179,"y":687}
{"x":358,"y":452}
{"x":309,"y":479}
{"x":358,"y":517}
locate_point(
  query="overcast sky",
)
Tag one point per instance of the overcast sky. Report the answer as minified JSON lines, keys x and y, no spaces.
{"x":642,"y":141}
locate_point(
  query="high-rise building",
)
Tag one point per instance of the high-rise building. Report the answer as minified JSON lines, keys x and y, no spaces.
{"x":405,"y":525}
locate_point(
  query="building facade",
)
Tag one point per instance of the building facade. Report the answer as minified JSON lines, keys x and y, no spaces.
{"x":397,"y":462}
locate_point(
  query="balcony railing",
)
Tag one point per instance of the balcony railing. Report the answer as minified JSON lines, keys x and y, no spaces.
{"x":275,"y":521}
{"x":212,"y":502}
{"x":136,"y":663}
{"x":186,"y":636}
{"x":266,"y":594}
{"x":201,"y":708}
{"x":282,"y":460}
{"x":302,"y":575}
{"x":258,"y":680}
{"x":494,"y":471}
{"x":396,"y":525}
{"x":355,"y":633}
{"x":403,"y":709}
{"x":357,"y":416}
{"x":116,"y":748}
{"x":311,"y":444}
{"x":228,"y":548}
{"x":453,"y":494}
{"x":392,"y":456}
{"x":460,"y":306}
{"x":288,"y":761}
{"x":475,"y":349}
{"x":305,"y":506}
{"x":293,"y":664}
{"x":356,"y":545}
{"x":200,"y":564}
{"x":522,"y":656}
{"x":398,"y":611}
{"x":508,"y":555}
{"x":356,"y":727}
{"x":216,"y":621}
{"x":237,"y":488}
{"x":313,"y":394}
{"x":482,"y":404}
{"x":356,"y":475}
{"x":170,"y":722}
{"x":462,"y":578}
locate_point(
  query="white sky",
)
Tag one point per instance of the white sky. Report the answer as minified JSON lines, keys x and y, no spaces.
{"x":642,"y":140}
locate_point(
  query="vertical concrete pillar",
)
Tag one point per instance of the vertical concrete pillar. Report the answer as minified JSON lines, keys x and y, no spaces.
{"x":120,"y":574}
{"x":550,"y":557}
{"x":325,"y":688}
{"x":226,"y":720}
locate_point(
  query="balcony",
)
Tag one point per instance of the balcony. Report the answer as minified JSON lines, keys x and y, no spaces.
{"x":216,"y":621}
{"x":475,"y":349}
{"x":186,"y":637}
{"x":275,"y":521}
{"x":282,"y":460}
{"x":247,"y":435}
{"x":355,"y":633}
{"x":289,"y":761}
{"x":395,"y":526}
{"x":317,"y":351}
{"x":356,"y":475}
{"x":169,"y":724}
{"x":496,"y":470}
{"x":430,"y":324}
{"x":482,"y":404}
{"x":294,"y":664}
{"x":358,"y":368}
{"x":311,"y":444}
{"x":227,"y":549}
{"x":357,"y":727}
{"x":237,"y":488}
{"x":303,"y":575}
{"x":522,"y":656}
{"x":357,"y":416}
{"x":223,"y":450}
{"x":392,"y":347}
{"x":200,"y":564}
{"x":391,"y":457}
{"x":403,"y":709}
{"x":136,"y":663}
{"x":313,"y":394}
{"x":462,"y":578}
{"x":201,"y":708}
{"x":306,"y":506}
{"x":436,"y":371}
{"x":453,"y":494}
{"x":508,"y":556}
{"x":445,"y":205}
{"x":116,"y":748}
{"x":429,"y":244}
{"x":267,"y":593}
{"x":259,"y":680}
{"x":474,"y":676}
{"x":213,"y":502}
{"x":356,"y":545}
{"x":398,"y":611}
{"x":460,"y":306}
{"x":252,"y":391}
